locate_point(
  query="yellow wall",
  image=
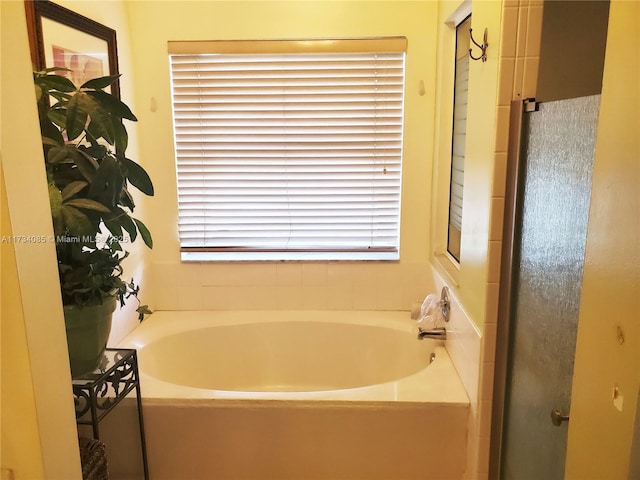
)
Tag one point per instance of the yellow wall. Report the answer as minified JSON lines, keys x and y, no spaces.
{"x":20,"y":446}
{"x":40,"y":374}
{"x":599,"y":434}
{"x":318,"y":285}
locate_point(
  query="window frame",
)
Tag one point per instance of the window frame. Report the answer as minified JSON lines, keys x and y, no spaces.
{"x":392,"y":44}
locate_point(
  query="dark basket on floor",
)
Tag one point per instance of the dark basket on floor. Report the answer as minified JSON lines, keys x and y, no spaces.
{"x":93,"y":457}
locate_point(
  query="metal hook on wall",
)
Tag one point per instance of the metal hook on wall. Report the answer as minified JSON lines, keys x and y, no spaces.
{"x":482,"y":47}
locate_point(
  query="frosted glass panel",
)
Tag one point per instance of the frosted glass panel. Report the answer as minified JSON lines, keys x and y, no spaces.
{"x":558,"y":160}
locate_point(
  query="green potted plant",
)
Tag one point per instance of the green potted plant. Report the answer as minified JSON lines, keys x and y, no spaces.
{"x":89,"y":176}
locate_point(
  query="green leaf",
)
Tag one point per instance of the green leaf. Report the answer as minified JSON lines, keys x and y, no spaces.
{"x":56,"y":82}
{"x":58,"y":117}
{"x":87,"y":204}
{"x":58,"y":225}
{"x":76,"y":222}
{"x":115,"y":246}
{"x":120,"y":136}
{"x":96,"y":151}
{"x":71,"y":189}
{"x":127,"y":224}
{"x":112,"y":105}
{"x":77,"y":114}
{"x":127,"y":200}
{"x":100,"y":83}
{"x":86,"y":165}
{"x":50,"y":142}
{"x":49,"y":130}
{"x":142,"y":311}
{"x":100,"y":125}
{"x":108,"y":183}
{"x":55,"y":199}
{"x":144,"y":233}
{"x":113,"y":227}
{"x":137,"y":176}
{"x":57,"y":154}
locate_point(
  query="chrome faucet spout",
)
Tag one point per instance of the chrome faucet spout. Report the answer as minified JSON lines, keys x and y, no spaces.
{"x":438,"y":333}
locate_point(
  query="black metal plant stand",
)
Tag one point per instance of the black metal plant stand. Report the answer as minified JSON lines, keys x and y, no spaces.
{"x":98,"y":392}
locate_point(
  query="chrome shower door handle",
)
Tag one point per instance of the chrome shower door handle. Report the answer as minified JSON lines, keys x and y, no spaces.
{"x":557,"y":418}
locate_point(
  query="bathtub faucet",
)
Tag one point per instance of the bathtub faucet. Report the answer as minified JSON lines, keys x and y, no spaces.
{"x":438,"y":333}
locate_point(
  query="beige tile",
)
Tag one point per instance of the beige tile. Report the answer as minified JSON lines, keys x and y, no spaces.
{"x":215,"y":298}
{"x":365,"y":298}
{"x":494,"y":261}
{"x":289,"y":297}
{"x":493,"y":298}
{"x":390,"y":297}
{"x":484,"y":424}
{"x":166,"y":296}
{"x":530,"y":78}
{"x":486,"y":380}
{"x":483,"y":457}
{"x":252,"y":297}
{"x":518,"y":80}
{"x":499,"y":177}
{"x":418,"y":274}
{"x":254,"y":274}
{"x":534,"y":32}
{"x":509,"y":31}
{"x":390,"y":274}
{"x":233,"y":274}
{"x":340,"y":297}
{"x":314,"y":274}
{"x":505,"y":87}
{"x":365,"y":275}
{"x":168,"y":273}
{"x":489,"y":342}
{"x":288,"y":274}
{"x":189,"y":297}
{"x":314,"y":297}
{"x":472,"y":459}
{"x":523,"y":20}
{"x":502,"y":128}
{"x":212,"y":274}
{"x":497,"y":218}
{"x":340,"y":274}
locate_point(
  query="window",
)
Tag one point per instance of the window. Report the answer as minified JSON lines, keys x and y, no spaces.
{"x":292,"y":151}
{"x":461,"y":87}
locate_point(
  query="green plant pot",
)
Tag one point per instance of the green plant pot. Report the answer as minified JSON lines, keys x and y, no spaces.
{"x":88,"y":330}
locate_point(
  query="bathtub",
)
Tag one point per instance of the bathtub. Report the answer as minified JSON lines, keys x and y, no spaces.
{"x":295,"y":395}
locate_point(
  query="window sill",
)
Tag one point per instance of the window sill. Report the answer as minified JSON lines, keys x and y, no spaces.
{"x":287,"y":256}
{"x":449,"y":266}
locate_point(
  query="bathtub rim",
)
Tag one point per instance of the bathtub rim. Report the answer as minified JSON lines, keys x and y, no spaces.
{"x":437,"y":383}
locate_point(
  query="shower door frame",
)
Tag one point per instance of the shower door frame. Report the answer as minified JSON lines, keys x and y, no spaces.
{"x":512,"y":204}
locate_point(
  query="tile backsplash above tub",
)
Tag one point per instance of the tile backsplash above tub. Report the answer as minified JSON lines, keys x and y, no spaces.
{"x":290,"y":285}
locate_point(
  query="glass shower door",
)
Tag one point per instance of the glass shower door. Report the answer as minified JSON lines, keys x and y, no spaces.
{"x":558,"y":150}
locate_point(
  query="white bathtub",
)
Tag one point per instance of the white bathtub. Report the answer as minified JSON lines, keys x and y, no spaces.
{"x":297,"y":395}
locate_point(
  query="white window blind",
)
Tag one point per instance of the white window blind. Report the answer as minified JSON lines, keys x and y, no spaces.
{"x":459,"y":134}
{"x":459,"y":138}
{"x":286,"y":152}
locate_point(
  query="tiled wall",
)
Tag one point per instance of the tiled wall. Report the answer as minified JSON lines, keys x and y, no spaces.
{"x":519,"y":59}
{"x":291,"y":286}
